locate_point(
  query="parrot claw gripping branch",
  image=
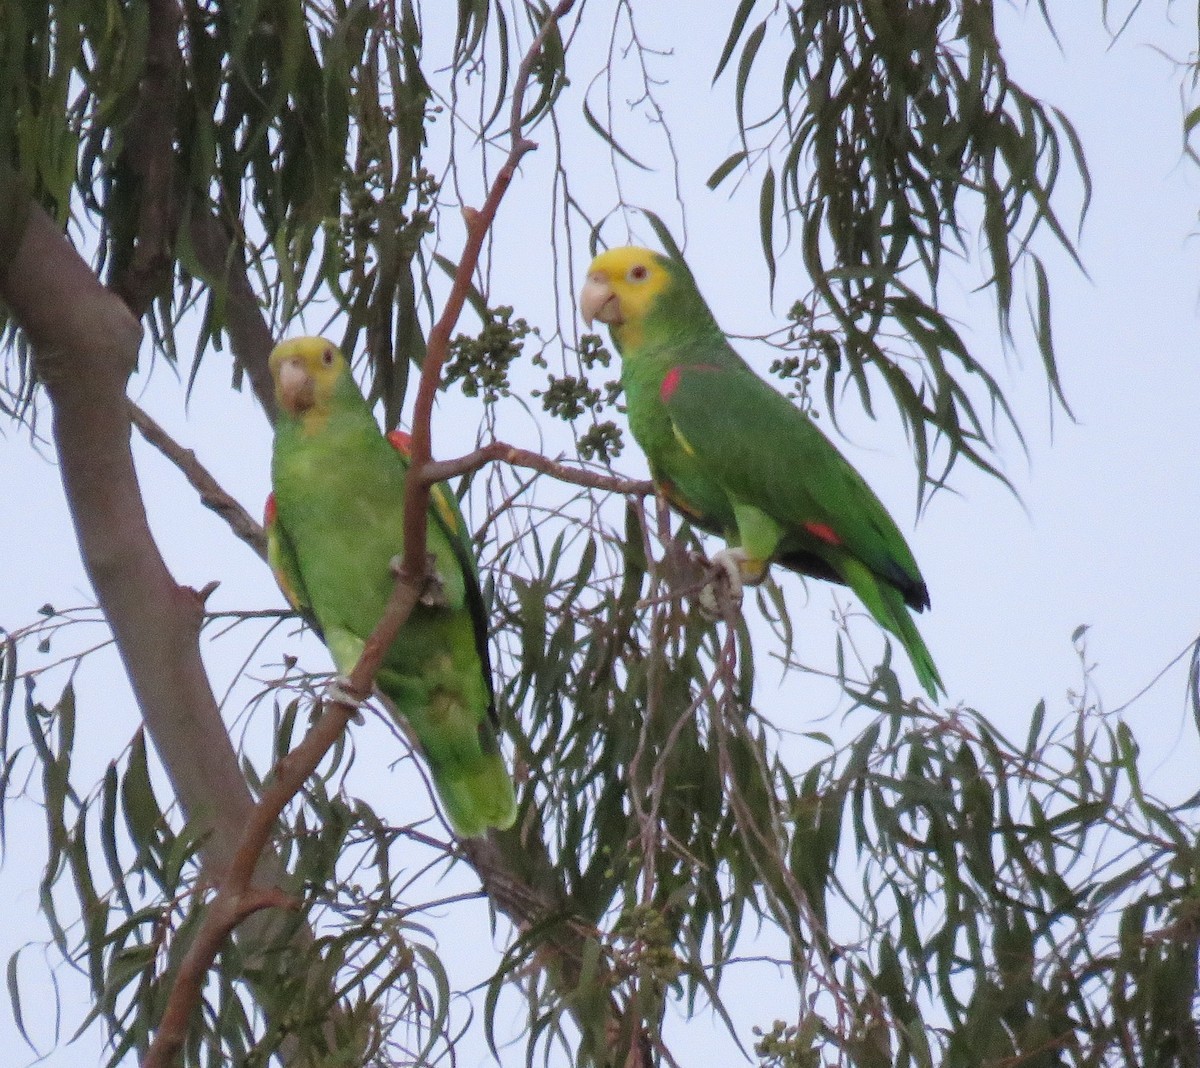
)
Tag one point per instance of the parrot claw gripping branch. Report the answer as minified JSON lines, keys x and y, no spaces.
{"x":340,"y":691}
{"x":724,"y":586}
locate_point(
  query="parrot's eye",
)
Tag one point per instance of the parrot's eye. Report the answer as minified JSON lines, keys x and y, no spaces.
{"x":638,"y":273}
{"x":327,"y":357}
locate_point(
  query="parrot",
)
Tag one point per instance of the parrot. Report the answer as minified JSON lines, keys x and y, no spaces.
{"x":738,"y":459}
{"x":335,"y":527}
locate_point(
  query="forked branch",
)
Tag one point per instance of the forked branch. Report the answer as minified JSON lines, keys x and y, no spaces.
{"x":246,"y":527}
{"x":421,"y":474}
{"x":236,"y":899}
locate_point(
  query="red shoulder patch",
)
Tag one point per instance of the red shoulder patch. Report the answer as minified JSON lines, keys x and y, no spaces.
{"x":670,"y":384}
{"x":823,"y":532}
{"x":269,"y":511}
{"x":401,"y":441}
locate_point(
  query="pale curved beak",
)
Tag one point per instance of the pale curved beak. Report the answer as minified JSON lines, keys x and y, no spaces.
{"x":296,"y":388}
{"x":598,"y":301}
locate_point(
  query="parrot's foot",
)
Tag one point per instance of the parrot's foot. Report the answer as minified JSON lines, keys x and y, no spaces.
{"x":725,"y":585}
{"x":730,"y":562}
{"x":434,"y":593}
{"x":736,"y":569}
{"x":741,"y":567}
{"x":342,"y":691}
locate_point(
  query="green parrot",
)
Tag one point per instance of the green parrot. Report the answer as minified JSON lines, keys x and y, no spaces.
{"x":335,"y":525}
{"x":737,"y":458}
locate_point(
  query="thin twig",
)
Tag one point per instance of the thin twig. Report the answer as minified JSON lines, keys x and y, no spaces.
{"x":211,"y":494}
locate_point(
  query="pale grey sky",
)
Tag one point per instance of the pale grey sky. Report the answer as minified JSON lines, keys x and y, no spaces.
{"x":1112,"y":509}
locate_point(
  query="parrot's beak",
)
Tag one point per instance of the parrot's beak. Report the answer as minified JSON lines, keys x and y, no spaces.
{"x":297,"y":391}
{"x":598,"y":301}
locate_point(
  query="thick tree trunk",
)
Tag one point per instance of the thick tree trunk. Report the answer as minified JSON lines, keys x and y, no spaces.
{"x":85,"y":344}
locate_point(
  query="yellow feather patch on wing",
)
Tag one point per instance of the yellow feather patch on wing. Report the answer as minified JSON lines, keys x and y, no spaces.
{"x":666,"y":489}
{"x":285,"y":587}
{"x":683,"y":442}
{"x":277,"y":559}
{"x":445,"y":507}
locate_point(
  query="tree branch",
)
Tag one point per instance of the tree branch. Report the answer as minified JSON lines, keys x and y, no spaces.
{"x":212,"y":496}
{"x":85,"y":344}
{"x":514,"y":865}
{"x":236,"y":898}
{"x":147,"y":163}
{"x":230,"y":907}
{"x":249,"y":335}
{"x":420,"y":478}
{"x":440,"y":470}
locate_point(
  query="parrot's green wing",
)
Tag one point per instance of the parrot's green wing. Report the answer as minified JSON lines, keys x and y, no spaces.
{"x":281,"y":557}
{"x":450,"y":519}
{"x":793,"y":493}
{"x":767,"y":454}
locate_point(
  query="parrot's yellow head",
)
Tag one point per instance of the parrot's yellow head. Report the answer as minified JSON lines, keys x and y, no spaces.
{"x":306,"y":371}
{"x":622,"y":285}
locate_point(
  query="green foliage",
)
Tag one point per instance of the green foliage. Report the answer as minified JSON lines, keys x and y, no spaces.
{"x":932,"y":891}
{"x":925,"y":870}
{"x":895,"y":135}
{"x":936,"y":892}
{"x":786,"y":1046}
{"x":298,"y":133}
{"x":35,"y":84}
{"x":138,"y":893}
{"x":482,"y":363}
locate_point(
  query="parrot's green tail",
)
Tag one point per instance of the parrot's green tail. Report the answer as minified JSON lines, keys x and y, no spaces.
{"x":888,"y":608}
{"x":476,"y":796}
{"x":918,"y":653}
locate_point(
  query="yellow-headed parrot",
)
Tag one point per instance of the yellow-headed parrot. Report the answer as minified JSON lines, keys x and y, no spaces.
{"x":335,"y":524}
{"x":737,"y":458}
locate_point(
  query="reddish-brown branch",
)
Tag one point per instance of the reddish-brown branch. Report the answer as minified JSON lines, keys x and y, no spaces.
{"x":499,"y":451}
{"x":227,"y":908}
{"x":236,"y":898}
{"x":213,"y":496}
{"x":416,"y":502}
{"x":87,"y":344}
